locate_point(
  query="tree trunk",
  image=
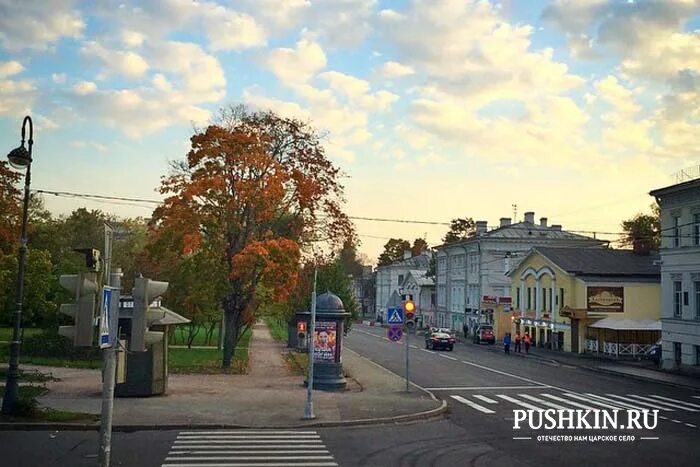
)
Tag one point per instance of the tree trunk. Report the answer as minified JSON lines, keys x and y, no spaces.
{"x":230,"y":337}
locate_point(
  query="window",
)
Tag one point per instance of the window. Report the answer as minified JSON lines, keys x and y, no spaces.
{"x":697,"y":354}
{"x":677,"y":298}
{"x":677,"y":352}
{"x":544,"y":298}
{"x":561,"y":297}
{"x":676,"y":231}
{"x":517,"y":298}
{"x":551,"y":299}
{"x":400,"y":279}
{"x":529,"y":299}
{"x":697,"y":299}
{"x":696,"y":229}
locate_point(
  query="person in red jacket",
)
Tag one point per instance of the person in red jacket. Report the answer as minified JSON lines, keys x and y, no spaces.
{"x":527,"y":342}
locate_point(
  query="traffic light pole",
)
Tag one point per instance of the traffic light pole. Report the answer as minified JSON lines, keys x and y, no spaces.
{"x":309,"y":408}
{"x":109,"y":365}
{"x":408,"y":333}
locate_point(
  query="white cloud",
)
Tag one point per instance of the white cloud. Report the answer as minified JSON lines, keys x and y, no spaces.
{"x":84,"y":88}
{"x":10,"y":68}
{"x":35,"y":25}
{"x":58,"y":78}
{"x":16,"y":96}
{"x":231,"y":30}
{"x":391,"y":70}
{"x":347,"y":85}
{"x":126,"y":63}
{"x":132,"y":39}
{"x":296,"y":65}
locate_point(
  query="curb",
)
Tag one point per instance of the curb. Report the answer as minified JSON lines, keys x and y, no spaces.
{"x":436,"y":413}
{"x":641,"y":378}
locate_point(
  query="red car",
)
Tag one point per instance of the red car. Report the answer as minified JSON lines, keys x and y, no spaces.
{"x":439,"y":340}
{"x":485,"y":334}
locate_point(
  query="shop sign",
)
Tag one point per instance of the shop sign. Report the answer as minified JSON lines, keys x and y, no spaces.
{"x":605,"y":299}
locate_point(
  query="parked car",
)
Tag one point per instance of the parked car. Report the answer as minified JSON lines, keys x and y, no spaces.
{"x":485,"y":334}
{"x":654,"y":353}
{"x":439,"y":340}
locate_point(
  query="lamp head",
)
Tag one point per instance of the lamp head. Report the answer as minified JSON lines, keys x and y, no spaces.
{"x":19,"y":158}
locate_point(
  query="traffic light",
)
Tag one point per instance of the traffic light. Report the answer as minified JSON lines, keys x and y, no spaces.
{"x":145,"y":291}
{"x":409,"y":312}
{"x":301,"y":329}
{"x":83,"y":286}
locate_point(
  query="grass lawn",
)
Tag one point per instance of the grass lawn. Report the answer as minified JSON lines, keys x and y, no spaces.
{"x":209,"y":360}
{"x":48,"y":361}
{"x":27,"y":376}
{"x":6,"y":333}
{"x":178,"y":336}
{"x":297,"y":363}
{"x":278,"y":329}
{"x":29,"y":412}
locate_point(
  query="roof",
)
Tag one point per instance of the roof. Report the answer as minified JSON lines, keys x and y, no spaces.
{"x":689,"y":185}
{"x":528,"y":230}
{"x":602,"y":261}
{"x":627,"y":324}
{"x":419,"y":277}
{"x":421,"y":261}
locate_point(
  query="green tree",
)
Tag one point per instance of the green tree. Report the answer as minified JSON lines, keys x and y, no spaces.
{"x":643,"y":227}
{"x":349,"y":259}
{"x":393,"y":251}
{"x":419,"y":246}
{"x":460,"y":229}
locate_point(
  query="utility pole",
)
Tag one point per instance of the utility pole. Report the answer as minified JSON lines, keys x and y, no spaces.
{"x":309,"y":409}
{"x":408,"y":333}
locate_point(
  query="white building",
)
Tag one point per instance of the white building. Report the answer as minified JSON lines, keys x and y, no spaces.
{"x":422,"y":289}
{"x":680,"y":274}
{"x":470,"y":273}
{"x":390,"y":277}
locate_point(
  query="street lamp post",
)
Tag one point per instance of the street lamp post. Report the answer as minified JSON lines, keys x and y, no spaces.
{"x":20,"y":158}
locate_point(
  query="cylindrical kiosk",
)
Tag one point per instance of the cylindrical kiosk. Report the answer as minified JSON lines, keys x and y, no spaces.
{"x":327,"y":342}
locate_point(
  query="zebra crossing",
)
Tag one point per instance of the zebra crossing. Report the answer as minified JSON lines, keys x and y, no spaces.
{"x":490,"y":403}
{"x":242,"y":448}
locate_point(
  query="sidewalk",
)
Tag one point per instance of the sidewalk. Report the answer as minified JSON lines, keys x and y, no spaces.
{"x":644,"y":370}
{"x":266,"y":397}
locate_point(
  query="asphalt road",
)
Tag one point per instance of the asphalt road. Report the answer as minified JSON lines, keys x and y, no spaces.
{"x":483,"y":387}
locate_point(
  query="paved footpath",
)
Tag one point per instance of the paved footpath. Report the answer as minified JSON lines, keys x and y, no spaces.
{"x":269,"y":396}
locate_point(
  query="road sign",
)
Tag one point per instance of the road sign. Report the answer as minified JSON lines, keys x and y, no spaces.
{"x":394,"y":333}
{"x":394,"y":316}
{"x":105,"y":341}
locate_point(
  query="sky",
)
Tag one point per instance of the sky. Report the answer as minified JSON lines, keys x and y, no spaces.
{"x":433,"y":109}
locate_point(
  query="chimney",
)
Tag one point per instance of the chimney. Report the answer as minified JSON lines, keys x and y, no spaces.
{"x":530,"y":217}
{"x":505,"y":221}
{"x":407,"y":254}
{"x":556,"y":227}
{"x":543,"y":222}
{"x":641,"y":246}
{"x":480,"y":228}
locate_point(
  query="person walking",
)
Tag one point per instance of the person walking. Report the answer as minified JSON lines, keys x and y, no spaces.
{"x":506,"y":343}
{"x":518,"y":341}
{"x":465,"y":329}
{"x":527,"y":341}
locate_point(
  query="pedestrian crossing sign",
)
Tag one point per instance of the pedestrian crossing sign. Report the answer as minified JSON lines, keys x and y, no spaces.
{"x":395,"y":316}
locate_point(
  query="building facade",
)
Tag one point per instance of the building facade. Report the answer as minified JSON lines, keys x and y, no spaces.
{"x":680,"y":274}
{"x":422,"y":289}
{"x":363,"y":289}
{"x":471,"y":280}
{"x":594,"y":300}
{"x":389,"y":278}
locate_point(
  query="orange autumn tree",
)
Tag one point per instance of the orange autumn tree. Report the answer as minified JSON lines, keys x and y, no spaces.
{"x":254,"y":190}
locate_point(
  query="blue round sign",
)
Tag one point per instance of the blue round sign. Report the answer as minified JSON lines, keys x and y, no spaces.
{"x":394,"y":333}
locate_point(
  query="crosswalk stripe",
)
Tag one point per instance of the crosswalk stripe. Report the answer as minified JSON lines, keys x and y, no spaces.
{"x":251,"y":464}
{"x":571,"y":403}
{"x":647,"y":404}
{"x":485,"y":399}
{"x":266,"y":451}
{"x":471,"y":404}
{"x":540,"y":401}
{"x":248,"y":432}
{"x":244,"y":441}
{"x":696,"y":397}
{"x":620,"y":404}
{"x":280,"y":437}
{"x":251,"y":458}
{"x":668,"y":404}
{"x":517,"y":402}
{"x":593,"y":401}
{"x":676,"y":400}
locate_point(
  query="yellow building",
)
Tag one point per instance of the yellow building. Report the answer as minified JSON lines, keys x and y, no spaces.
{"x":579,"y":300}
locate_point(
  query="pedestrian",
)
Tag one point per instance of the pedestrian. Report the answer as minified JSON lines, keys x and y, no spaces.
{"x":506,"y":343}
{"x":465,"y":329}
{"x":527,"y":342}
{"x":518,"y":340}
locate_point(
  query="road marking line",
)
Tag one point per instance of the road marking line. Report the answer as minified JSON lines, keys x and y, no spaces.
{"x":592,"y":401}
{"x":471,"y":404}
{"x":696,"y":397}
{"x":676,"y":421}
{"x":220,"y":447}
{"x":485,"y":399}
{"x":677,"y":401}
{"x":641,"y":403}
{"x":663,"y":418}
{"x":691,"y":425}
{"x":517,"y":402}
{"x":447,"y":356}
{"x":242,"y":441}
{"x":249,"y":432}
{"x":508,"y":374}
{"x":248,"y":464}
{"x":251,"y":458}
{"x":522,"y":437}
{"x":621,"y":405}
{"x":572,"y":403}
{"x":662,"y":403}
{"x":540,"y":401}
{"x":371,"y":334}
{"x":413,"y":346}
{"x":284,"y":437}
{"x":426,"y":350}
{"x":266,"y":451}
{"x":479,"y":388}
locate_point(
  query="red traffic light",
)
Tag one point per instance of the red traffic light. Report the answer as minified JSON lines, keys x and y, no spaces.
{"x":301,"y":326}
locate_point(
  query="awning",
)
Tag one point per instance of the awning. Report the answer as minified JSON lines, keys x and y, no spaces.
{"x":628,"y":324}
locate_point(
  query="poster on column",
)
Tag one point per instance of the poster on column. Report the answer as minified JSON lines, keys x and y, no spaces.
{"x":324,"y":341}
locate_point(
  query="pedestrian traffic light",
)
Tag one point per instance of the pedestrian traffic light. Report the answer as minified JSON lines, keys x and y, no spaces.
{"x":83,"y":287}
{"x":145,"y":291}
{"x":409,"y":312}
